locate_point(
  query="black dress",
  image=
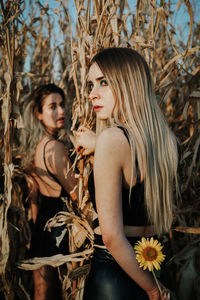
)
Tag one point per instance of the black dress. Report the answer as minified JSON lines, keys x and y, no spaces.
{"x":46,"y":243}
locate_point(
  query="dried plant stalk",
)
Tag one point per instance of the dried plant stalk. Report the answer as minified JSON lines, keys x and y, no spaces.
{"x":175,"y":70}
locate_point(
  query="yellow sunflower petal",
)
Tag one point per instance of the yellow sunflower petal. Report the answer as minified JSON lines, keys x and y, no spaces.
{"x":144,"y":266}
{"x":137,"y":247}
{"x":144,"y":242}
{"x":152,"y":242}
{"x":161,"y":257}
{"x":156,"y":265}
{"x":150,"y":266}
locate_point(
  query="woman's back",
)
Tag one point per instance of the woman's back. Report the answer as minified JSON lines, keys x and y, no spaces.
{"x":43,"y":167}
{"x":52,"y":168}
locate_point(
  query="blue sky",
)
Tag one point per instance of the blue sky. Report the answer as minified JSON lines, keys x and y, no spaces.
{"x":180,"y":18}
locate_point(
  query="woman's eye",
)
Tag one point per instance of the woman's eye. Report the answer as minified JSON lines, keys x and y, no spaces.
{"x":53,"y":106}
{"x":103,"y":82}
{"x":89,"y":87}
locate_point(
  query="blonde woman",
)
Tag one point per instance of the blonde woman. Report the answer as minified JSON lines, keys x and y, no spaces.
{"x":135,"y":165}
{"x":46,"y":160}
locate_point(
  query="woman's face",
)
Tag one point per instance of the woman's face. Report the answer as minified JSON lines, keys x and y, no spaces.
{"x":100,"y":93}
{"x":53,"y":113}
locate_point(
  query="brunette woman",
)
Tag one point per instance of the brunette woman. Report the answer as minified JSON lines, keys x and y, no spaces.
{"x":45,"y":158}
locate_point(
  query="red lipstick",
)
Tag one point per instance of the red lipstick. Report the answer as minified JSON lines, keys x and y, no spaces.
{"x":97,"y":108}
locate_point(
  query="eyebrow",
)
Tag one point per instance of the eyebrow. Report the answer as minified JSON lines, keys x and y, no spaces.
{"x":98,"y":78}
{"x":54,"y":102}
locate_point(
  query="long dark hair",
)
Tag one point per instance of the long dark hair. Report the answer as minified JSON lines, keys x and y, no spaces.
{"x":33,"y":128}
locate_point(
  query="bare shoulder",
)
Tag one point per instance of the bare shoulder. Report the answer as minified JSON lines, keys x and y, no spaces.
{"x":112,"y":150}
{"x":55,"y":146}
{"x":113,"y":136}
{"x":112,"y":144}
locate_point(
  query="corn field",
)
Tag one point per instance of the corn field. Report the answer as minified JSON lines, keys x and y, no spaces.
{"x":41,"y":42}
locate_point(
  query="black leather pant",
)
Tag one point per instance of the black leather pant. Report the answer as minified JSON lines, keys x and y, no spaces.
{"x":107,"y":280}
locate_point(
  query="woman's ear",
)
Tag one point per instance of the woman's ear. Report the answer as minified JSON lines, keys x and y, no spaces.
{"x":38,"y":116}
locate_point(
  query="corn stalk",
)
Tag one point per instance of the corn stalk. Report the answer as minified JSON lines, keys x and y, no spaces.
{"x":174,"y":64}
{"x":10,"y":13}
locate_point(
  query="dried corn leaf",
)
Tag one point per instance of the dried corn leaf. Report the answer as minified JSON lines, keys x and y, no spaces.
{"x":192,"y":230}
{"x":54,"y":261}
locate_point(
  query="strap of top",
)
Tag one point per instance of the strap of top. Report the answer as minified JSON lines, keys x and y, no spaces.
{"x":124,"y":131}
{"x":136,"y":162}
{"x":50,"y":173}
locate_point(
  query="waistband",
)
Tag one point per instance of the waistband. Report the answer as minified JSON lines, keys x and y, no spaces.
{"x":99,"y":242}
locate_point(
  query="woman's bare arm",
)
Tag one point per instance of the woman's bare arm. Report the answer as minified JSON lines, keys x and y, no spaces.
{"x":59,"y":164}
{"x":33,"y":196}
{"x":108,"y":164}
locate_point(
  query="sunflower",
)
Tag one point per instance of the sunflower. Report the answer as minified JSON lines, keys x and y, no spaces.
{"x":149,"y":254}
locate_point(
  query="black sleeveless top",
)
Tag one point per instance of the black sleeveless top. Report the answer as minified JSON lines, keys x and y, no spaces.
{"x":134,"y":212}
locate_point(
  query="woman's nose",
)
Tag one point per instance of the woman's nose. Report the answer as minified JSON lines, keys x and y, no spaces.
{"x":94,"y":94}
{"x":61,"y":109}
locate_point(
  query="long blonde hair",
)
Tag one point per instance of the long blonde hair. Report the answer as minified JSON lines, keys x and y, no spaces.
{"x":33,"y":128}
{"x":153,"y":145}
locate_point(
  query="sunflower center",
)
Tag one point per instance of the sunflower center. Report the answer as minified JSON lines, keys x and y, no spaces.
{"x":150,"y":253}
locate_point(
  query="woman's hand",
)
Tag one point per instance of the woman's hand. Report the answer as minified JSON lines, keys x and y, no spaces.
{"x":154,"y":294}
{"x":85,"y":140}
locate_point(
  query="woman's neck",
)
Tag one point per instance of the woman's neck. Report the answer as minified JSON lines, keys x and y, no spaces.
{"x":51,"y":135}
